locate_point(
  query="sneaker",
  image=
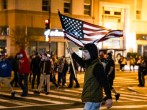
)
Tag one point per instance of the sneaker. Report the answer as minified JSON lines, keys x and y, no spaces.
{"x":69,"y":87}
{"x":46,"y":93}
{"x":117,"y":96}
{"x":23,"y":95}
{"x":36,"y":92}
{"x":77,"y":86}
{"x":64,"y":85}
{"x":13,"y":94}
{"x":140,"y":85}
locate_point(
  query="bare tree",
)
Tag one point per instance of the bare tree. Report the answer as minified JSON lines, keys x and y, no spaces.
{"x":21,"y":37}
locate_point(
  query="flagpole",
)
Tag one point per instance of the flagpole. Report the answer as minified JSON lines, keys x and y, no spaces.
{"x":71,"y":59}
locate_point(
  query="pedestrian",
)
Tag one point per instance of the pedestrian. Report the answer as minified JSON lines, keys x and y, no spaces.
{"x":5,"y":72}
{"x":15,"y":67}
{"x":142,"y":71}
{"x":132,"y":63}
{"x":102,"y":56}
{"x":60,"y":70}
{"x":95,"y":78}
{"x":23,"y":72}
{"x":73,"y":76}
{"x":110,"y":72}
{"x":45,"y":70}
{"x":63,"y":68}
{"x":122,"y":61}
{"x":64,"y":72}
{"x":52,"y":74}
{"x":35,"y":69}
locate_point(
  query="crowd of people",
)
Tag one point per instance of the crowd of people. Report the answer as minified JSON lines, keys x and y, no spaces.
{"x":38,"y":69}
{"x":41,"y":69}
{"x":138,"y":61}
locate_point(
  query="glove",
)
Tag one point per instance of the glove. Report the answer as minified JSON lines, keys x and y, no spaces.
{"x":108,"y":103}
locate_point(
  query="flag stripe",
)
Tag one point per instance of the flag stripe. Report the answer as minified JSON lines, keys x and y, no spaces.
{"x":81,"y":32}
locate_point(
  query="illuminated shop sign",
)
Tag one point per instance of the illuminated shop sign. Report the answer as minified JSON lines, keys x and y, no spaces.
{"x":54,"y":32}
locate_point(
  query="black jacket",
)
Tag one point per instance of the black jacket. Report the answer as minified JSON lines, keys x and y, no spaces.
{"x":45,"y":67}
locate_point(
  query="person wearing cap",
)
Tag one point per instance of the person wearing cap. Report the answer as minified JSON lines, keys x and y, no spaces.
{"x":95,"y":79}
{"x":5,"y":72}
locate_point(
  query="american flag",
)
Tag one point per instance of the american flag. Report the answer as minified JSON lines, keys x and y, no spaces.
{"x":81,"y":32}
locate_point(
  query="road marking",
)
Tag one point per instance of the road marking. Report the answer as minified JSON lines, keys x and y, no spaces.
{"x":125,"y":107}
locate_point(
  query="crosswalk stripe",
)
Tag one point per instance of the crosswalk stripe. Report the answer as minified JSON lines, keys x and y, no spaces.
{"x":46,"y":100}
{"x":66,"y":91}
{"x":125,"y":106}
{"x":73,"y":109}
{"x":69,"y":96}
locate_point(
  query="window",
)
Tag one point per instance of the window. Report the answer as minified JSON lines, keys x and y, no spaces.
{"x":87,"y":7}
{"x":107,"y":12}
{"x":67,"y":6}
{"x":4,"y":4}
{"x":4,"y":31}
{"x":117,"y":13}
{"x":141,"y":37}
{"x":45,"y":5}
{"x":3,"y":44}
{"x":138,"y":14}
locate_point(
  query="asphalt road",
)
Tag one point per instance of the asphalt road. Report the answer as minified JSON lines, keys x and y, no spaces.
{"x":69,"y":99}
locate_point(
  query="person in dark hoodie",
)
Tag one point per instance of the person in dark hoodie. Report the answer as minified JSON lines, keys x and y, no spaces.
{"x":15,"y":66}
{"x":23,"y":72}
{"x":95,"y":78}
{"x":110,"y":72}
{"x":35,"y":68}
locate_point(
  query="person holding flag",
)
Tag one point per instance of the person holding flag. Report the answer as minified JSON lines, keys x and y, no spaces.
{"x":95,"y":78}
{"x":86,"y":35}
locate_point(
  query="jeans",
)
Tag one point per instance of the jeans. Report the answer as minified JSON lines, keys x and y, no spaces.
{"x":38,"y":79}
{"x":92,"y":106}
{"x":24,"y":86}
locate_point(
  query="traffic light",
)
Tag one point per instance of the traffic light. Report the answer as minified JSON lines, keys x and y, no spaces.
{"x":47,"y":24}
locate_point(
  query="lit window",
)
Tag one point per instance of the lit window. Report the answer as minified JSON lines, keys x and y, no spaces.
{"x":4,"y":4}
{"x":107,"y":12}
{"x":45,"y":5}
{"x":67,"y":6}
{"x":117,"y":13}
{"x":138,"y":14}
{"x":4,"y":30}
{"x":87,"y":7}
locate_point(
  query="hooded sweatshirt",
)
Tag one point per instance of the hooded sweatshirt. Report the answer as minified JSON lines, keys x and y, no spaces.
{"x":24,"y":64}
{"x":95,"y":78}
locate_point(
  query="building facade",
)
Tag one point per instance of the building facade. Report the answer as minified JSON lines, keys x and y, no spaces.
{"x":128,"y":16}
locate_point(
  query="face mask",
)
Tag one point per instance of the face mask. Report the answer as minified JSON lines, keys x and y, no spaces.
{"x":86,"y":55}
{"x":44,"y":58}
{"x":21,"y":55}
